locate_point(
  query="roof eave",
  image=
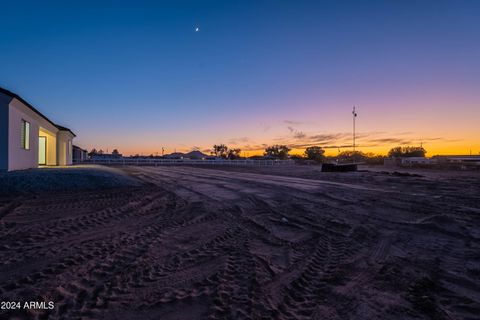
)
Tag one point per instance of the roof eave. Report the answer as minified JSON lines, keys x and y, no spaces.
{"x":16,"y":96}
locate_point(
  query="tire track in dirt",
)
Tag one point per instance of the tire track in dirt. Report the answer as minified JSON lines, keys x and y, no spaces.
{"x":197,"y":243}
{"x":51,"y":232}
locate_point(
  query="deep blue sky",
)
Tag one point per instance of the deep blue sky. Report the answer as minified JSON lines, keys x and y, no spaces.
{"x":136,"y":76}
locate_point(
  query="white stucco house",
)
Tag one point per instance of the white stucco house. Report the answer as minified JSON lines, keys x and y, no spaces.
{"x":28,"y":138}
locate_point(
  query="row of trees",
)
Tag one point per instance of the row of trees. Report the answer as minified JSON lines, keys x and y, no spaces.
{"x":399,"y":152}
{"x":222,"y":151}
{"x":275,"y":151}
{"x":315,"y":153}
{"x":94,"y":152}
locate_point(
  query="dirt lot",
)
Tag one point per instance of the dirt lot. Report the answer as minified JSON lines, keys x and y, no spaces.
{"x":265,"y":243}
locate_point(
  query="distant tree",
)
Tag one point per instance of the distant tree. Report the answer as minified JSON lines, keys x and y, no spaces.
{"x":315,"y":153}
{"x":233,"y":153}
{"x":277,"y":151}
{"x":351,"y":156}
{"x":100,"y":151}
{"x":409,"y":151}
{"x":395,"y":152}
{"x":115,"y":152}
{"x":415,"y":152}
{"x":93,"y":152}
{"x":374,"y":159}
{"x":220,"y":150}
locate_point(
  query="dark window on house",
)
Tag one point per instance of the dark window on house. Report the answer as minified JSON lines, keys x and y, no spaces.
{"x":25,"y":135}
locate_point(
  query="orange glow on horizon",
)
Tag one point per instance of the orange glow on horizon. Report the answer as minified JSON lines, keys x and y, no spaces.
{"x":432,"y":150}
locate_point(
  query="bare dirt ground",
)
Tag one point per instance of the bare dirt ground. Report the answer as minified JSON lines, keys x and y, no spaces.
{"x":238,"y":243}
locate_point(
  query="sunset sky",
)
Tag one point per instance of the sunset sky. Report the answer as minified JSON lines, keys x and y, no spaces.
{"x":135,"y":75}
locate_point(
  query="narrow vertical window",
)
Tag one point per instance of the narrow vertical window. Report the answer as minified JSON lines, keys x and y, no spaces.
{"x":25,"y":135}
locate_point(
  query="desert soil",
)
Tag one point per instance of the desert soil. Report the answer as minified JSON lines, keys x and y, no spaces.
{"x":267,"y":243}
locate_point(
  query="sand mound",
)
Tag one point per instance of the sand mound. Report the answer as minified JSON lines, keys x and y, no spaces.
{"x":63,"y":179}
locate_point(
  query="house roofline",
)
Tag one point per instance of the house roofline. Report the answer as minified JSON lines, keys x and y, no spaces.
{"x":16,"y":96}
{"x":65,"y":129}
{"x":75,"y":146}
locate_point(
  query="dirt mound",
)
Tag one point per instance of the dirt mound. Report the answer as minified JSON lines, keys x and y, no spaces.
{"x":63,"y":179}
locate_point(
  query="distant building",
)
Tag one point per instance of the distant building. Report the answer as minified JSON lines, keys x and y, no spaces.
{"x":28,"y":138}
{"x":79,"y":154}
{"x":455,"y":162}
{"x":409,"y":161}
{"x":174,"y":155}
{"x":195,"y":154}
{"x":458,"y":159}
{"x":415,"y":161}
{"x":463,"y":162}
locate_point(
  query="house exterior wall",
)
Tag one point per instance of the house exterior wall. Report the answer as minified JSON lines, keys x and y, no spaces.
{"x":19,"y":158}
{"x":79,"y":154}
{"x":4,"y":101}
{"x":64,"y":148}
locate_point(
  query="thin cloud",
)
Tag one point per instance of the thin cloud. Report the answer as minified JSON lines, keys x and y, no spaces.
{"x":297,"y":123}
{"x":299,"y":135}
{"x":296,"y":139}
{"x":306,"y":145}
{"x":328,"y":137}
{"x":292,"y":122}
{"x":389,"y":140}
{"x":265,"y":127}
{"x":239,"y":140}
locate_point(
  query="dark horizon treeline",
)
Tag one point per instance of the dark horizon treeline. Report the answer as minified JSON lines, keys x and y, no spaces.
{"x":281,"y":152}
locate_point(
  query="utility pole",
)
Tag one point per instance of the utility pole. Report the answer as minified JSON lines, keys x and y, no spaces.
{"x":354,"y":114}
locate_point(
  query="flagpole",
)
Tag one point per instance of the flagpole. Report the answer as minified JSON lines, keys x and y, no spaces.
{"x":354,"y":116}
